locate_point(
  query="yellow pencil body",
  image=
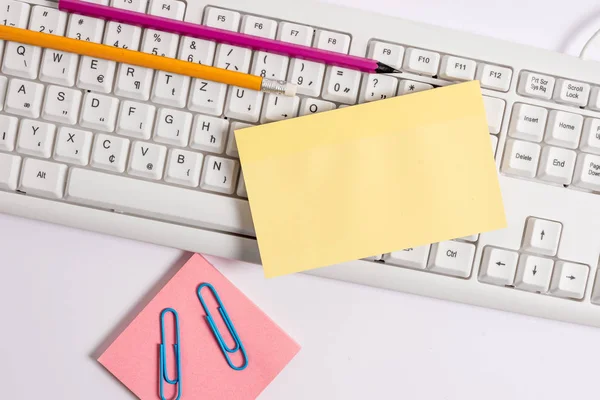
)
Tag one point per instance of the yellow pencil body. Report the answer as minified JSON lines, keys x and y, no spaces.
{"x":132,"y":57}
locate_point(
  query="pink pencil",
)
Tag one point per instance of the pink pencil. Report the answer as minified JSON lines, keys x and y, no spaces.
{"x":223,"y":36}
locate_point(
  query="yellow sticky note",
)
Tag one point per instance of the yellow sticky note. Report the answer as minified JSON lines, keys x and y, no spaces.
{"x":371,"y":179}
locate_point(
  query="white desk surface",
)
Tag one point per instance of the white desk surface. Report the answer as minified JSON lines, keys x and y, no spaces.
{"x":64,"y":291}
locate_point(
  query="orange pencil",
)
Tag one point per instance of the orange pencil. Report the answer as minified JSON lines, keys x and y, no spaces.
{"x":132,"y":57}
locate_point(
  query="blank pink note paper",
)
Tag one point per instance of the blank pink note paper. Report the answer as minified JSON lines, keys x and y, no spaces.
{"x":133,"y":357}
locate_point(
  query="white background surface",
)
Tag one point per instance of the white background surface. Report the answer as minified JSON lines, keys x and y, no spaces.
{"x":64,"y":292}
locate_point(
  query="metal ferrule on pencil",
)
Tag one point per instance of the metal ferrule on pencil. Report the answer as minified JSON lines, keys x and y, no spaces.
{"x":278,"y":87}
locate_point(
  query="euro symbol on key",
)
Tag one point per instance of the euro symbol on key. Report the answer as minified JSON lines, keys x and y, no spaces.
{"x":100,"y":78}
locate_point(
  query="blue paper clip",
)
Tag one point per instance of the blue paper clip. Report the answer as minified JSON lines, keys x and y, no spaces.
{"x":163,"y":374}
{"x":211,"y":322}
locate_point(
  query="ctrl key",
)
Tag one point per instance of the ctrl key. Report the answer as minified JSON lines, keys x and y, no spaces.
{"x":452,"y":258}
{"x":43,"y":178}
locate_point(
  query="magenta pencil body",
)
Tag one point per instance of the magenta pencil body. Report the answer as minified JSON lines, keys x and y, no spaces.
{"x":223,"y":36}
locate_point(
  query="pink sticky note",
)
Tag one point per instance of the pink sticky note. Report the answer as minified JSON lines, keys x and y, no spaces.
{"x":134,"y":356}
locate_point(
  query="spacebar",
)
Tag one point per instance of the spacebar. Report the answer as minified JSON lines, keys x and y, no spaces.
{"x":154,"y":200}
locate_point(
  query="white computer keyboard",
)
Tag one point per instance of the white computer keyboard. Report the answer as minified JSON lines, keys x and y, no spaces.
{"x":148,"y":155}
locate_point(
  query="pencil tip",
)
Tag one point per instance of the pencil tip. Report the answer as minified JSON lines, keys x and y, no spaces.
{"x":385,"y":69}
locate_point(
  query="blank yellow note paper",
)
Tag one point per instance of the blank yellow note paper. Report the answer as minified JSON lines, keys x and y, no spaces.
{"x":371,"y":179}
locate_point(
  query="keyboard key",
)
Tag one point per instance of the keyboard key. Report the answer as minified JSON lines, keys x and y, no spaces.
{"x":35,"y":138}
{"x":131,"y":5}
{"x":557,"y":165}
{"x":3,"y":85}
{"x":10,"y":165}
{"x":15,"y":13}
{"x":307,"y":75}
{"x":494,"y":77}
{"x":452,"y":258}
{"x":209,"y":133}
{"x":389,"y":54}
{"x":294,"y":33}
{"x":587,"y":172}
{"x":378,"y":87}
{"x":197,"y":50}
{"x":73,"y":146}
{"x":528,"y":122}
{"x":170,"y":89}
{"x":278,"y":107}
{"x":8,"y":132}
{"x":110,"y":153}
{"x":569,"y":280}
{"x":96,"y":74}
{"x":456,"y":68}
{"x":532,"y":84}
{"x":534,"y":273}
{"x":183,"y":167}
{"x":160,"y":43}
{"x":233,"y":58}
{"x":122,"y":194}
{"x":594,"y":103}
{"x":147,"y":160}
{"x":241,"y":191}
{"x":407,"y":87}
{"x":136,"y":119}
{"x":99,"y":112}
{"x":257,"y":26}
{"x":222,"y":19}
{"x":542,"y":236}
{"x":173,"y":127}
{"x":85,"y":28}
{"x":43,"y":178}
{"x":123,"y":36}
{"x":272,"y":66}
{"x":564,"y":129}
{"x":232,"y":149}
{"x":243,"y":104}
{"x":521,"y":158}
{"x":207,"y":97}
{"x":58,"y":67}
{"x":133,"y":82}
{"x":414,"y":257}
{"x":421,"y":62}
{"x":341,"y":85}
{"x":312,"y":106}
{"x":498,"y":266}
{"x":571,"y":92}
{"x":21,"y":60}
{"x":590,"y":141}
{"x":48,"y":20}
{"x":494,"y":111}
{"x":332,"y":41}
{"x":470,"y":238}
{"x":219,"y":174}
{"x":24,"y":98}
{"x":62,"y":105}
{"x":494,"y":141}
{"x":171,"y":9}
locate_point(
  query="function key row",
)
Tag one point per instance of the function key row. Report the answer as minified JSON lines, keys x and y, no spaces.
{"x":564,"y":91}
{"x":430,"y":63}
{"x":267,"y":28}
